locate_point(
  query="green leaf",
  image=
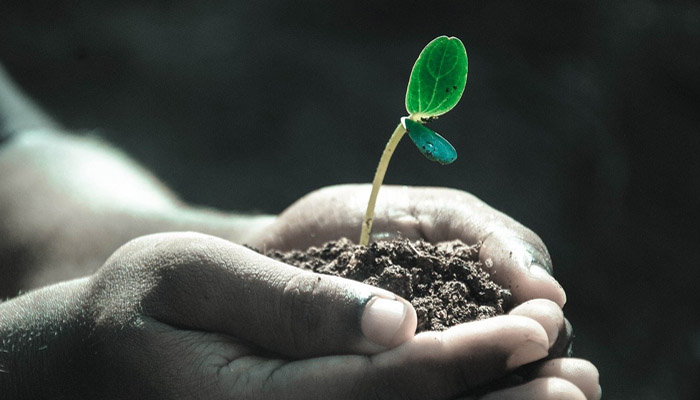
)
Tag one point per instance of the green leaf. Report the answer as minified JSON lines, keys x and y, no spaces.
{"x":433,"y":146}
{"x":437,"y":79}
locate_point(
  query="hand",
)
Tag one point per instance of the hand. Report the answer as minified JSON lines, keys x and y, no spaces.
{"x":551,"y":378}
{"x":518,"y":257}
{"x":183,"y":315}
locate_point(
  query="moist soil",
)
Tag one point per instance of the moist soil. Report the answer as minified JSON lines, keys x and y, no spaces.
{"x":446,"y":282}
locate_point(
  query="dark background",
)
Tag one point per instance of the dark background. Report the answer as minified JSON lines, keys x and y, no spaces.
{"x":581,"y":119}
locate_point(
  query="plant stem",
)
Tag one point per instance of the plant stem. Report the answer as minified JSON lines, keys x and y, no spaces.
{"x":377,"y":182}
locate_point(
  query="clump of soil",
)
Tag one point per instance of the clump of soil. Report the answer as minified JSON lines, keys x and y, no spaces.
{"x":445,"y":282}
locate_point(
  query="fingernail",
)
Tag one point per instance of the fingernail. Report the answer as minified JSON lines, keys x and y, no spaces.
{"x":528,"y":352}
{"x":526,"y":254}
{"x":538,"y":271}
{"x":532,"y":254}
{"x":541,"y":259}
{"x":382,"y":319}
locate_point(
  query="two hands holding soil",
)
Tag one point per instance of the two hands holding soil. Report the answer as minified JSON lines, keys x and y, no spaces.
{"x":523,"y":354}
{"x":193,"y":315}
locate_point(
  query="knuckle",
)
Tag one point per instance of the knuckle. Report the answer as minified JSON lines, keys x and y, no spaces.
{"x":522,"y":242}
{"x":132,"y":277}
{"x":300,"y":308}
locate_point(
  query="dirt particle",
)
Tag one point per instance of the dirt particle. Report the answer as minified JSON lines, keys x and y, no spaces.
{"x":445,"y":282}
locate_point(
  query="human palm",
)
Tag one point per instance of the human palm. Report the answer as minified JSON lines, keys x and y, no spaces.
{"x":517,"y":257}
{"x":184,"y":315}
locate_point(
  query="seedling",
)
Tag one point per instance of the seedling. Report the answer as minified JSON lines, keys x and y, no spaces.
{"x":436,"y":84}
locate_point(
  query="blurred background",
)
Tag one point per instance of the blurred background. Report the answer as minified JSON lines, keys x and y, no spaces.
{"x":581,"y":119}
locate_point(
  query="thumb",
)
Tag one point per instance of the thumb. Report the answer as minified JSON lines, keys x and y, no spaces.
{"x":214,"y":285}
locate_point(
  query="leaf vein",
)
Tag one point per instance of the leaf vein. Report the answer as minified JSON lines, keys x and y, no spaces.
{"x":439,"y":75}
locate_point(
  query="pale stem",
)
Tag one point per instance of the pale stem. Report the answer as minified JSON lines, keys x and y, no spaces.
{"x":377,"y":182}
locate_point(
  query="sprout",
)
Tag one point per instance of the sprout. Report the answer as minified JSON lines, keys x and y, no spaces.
{"x":437,"y":82}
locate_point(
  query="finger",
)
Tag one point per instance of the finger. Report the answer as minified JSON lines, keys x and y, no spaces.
{"x":516,"y":256}
{"x":551,"y":317}
{"x":540,"y":389}
{"x":580,"y":372}
{"x":436,"y":365}
{"x":513,"y":267}
{"x":209,"y":284}
{"x":547,"y":313}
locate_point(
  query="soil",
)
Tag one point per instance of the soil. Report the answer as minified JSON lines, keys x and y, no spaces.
{"x":446,"y":283}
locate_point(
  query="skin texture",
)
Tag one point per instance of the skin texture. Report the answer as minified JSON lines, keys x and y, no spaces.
{"x":116,"y":308}
{"x":433,"y":214}
{"x":158,"y":294}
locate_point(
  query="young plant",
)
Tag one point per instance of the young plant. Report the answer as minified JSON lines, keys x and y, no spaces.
{"x":436,"y":84}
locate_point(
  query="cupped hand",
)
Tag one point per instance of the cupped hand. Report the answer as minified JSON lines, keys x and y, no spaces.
{"x":517,"y":257}
{"x":184,"y":316}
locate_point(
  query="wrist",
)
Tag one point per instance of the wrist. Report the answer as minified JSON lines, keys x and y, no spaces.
{"x":42,"y":336}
